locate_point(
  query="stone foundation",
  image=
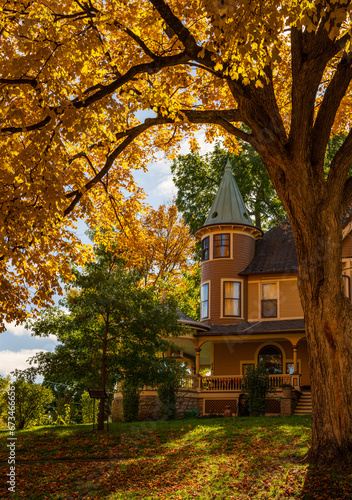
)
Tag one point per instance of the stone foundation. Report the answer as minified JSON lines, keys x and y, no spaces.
{"x":188,"y":399}
{"x":149,"y":406}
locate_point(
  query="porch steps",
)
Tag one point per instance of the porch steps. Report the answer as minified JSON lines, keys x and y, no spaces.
{"x":304,"y":405}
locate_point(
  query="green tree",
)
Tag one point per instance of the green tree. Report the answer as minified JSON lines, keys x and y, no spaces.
{"x":31,"y":399}
{"x":111,"y":328}
{"x":197,"y":178}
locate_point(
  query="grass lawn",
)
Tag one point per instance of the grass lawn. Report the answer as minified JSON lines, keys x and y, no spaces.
{"x":235,"y":458}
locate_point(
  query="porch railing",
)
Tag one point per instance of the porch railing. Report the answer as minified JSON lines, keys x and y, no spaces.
{"x":234,"y":382}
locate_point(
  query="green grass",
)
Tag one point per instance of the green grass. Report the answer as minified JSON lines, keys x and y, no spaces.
{"x":236,"y":458}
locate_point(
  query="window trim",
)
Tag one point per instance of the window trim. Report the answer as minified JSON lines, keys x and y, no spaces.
{"x":223,"y":298}
{"x":206,"y":283}
{"x":225,"y":246}
{"x":203,"y":250}
{"x":262,"y":301}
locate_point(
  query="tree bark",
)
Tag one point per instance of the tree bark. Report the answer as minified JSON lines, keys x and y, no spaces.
{"x":328,"y":321}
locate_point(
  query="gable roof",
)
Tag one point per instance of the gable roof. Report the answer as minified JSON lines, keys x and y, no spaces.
{"x":275,"y":252}
{"x":228,"y":205}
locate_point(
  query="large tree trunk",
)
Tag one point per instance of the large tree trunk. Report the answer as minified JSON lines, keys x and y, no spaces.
{"x":328,"y":319}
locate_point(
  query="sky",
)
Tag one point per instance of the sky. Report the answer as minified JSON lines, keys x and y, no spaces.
{"x":17,"y":344}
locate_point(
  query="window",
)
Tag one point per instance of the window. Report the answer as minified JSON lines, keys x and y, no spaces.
{"x":205,"y":248}
{"x":270,"y":357}
{"x":221,"y":245}
{"x":232,"y":298}
{"x":290,"y":368}
{"x":347,"y":285}
{"x":269,"y":300}
{"x":204,"y":301}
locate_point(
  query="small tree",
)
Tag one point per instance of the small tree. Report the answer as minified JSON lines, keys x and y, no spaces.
{"x":255,"y":385}
{"x":111,"y":325}
{"x":31,"y":399}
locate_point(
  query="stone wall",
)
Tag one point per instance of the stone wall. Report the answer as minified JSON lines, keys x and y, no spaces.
{"x":149,"y":405}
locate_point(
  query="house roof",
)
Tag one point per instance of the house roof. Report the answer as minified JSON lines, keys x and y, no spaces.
{"x":228,"y":205}
{"x":275,"y":252}
{"x":255,"y":327}
{"x":187,"y":320}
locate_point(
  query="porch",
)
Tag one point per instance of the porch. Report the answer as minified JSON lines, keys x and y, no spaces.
{"x":233,"y":383}
{"x":210,"y":395}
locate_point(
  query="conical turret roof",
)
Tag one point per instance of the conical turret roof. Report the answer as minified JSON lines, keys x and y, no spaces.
{"x":228,"y":206}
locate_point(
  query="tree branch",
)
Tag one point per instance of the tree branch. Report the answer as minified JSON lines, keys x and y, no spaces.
{"x":131,"y":135}
{"x":105,"y":90}
{"x":347,"y":194}
{"x":176,"y":25}
{"x":19,"y":81}
{"x":326,"y":115}
{"x":339,"y":168}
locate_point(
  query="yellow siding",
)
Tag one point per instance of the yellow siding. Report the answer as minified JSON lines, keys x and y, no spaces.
{"x":228,"y":355}
{"x":253,"y":301}
{"x":302,"y":353}
{"x":347,"y":247}
{"x":290,"y":304}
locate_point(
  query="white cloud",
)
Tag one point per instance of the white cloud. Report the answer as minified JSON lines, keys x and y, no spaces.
{"x":20,"y":331}
{"x":10,"y":360}
{"x":166,"y":188}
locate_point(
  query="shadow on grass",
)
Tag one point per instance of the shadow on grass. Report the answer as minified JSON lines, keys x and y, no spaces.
{"x":208,"y":459}
{"x":328,"y":484}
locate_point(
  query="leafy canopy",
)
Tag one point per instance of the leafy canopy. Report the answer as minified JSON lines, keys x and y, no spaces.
{"x":90,"y":91}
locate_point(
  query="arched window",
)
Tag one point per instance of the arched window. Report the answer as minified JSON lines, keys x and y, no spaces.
{"x":270,"y":357}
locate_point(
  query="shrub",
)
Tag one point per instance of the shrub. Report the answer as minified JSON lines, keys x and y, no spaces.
{"x":255,"y":385}
{"x":31,"y":399}
{"x":130,"y":401}
{"x":172,"y":375}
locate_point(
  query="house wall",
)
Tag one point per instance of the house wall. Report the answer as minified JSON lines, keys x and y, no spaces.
{"x":302,"y":354}
{"x":289,"y":304}
{"x":228,"y":356}
{"x":215,"y":270}
{"x":347,"y":246}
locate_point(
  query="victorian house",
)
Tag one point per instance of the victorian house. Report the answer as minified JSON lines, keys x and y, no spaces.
{"x":250,"y":312}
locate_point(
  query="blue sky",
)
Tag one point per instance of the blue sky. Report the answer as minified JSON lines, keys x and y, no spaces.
{"x":17,"y":344}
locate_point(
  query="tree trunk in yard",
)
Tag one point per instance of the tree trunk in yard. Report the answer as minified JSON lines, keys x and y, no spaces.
{"x":328,"y":320}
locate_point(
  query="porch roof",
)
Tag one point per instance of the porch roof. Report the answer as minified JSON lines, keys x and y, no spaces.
{"x":254,"y":327}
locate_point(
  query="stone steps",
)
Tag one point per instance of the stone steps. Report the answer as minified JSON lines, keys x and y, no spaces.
{"x":304,"y":405}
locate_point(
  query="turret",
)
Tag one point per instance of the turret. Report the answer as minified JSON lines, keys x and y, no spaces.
{"x":228,"y":243}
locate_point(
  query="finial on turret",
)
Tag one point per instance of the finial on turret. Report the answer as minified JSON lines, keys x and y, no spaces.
{"x":228,"y":165}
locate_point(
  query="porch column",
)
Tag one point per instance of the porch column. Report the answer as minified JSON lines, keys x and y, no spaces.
{"x":198,"y":349}
{"x":295,"y":365}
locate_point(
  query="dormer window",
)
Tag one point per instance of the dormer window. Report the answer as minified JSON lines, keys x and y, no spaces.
{"x":269,"y":300}
{"x":205,"y":248}
{"x":221,"y":246}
